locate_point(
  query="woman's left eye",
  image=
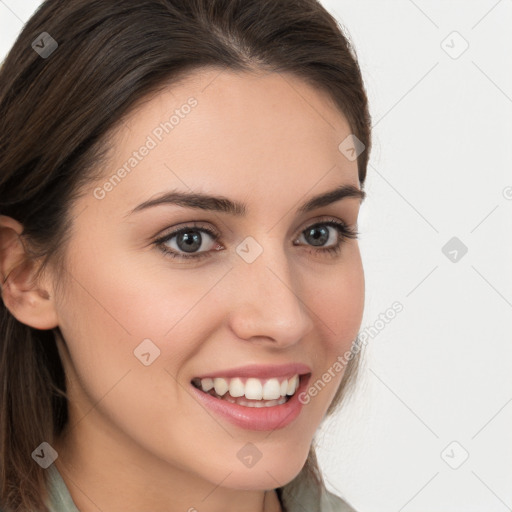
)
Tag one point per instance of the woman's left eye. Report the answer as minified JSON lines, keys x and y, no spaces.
{"x":189,"y":239}
{"x":319,"y":235}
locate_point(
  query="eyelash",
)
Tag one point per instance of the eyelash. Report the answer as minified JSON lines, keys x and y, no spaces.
{"x":346,"y":232}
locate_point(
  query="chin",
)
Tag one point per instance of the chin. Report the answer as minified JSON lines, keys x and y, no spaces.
{"x":267,"y":473}
{"x":260,"y":480}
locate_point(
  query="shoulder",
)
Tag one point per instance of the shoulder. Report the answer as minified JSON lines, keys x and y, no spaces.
{"x":302,"y":494}
{"x":60,"y":498}
{"x":331,"y":503}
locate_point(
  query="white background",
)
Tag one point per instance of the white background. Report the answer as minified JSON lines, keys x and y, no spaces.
{"x":437,"y":380}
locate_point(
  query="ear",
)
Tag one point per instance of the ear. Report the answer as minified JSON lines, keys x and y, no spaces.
{"x":30,"y":302}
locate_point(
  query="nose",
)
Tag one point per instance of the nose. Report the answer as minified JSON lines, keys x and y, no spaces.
{"x":267,"y":301}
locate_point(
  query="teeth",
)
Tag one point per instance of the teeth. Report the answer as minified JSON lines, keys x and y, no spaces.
{"x":253,"y":389}
{"x":206,"y":384}
{"x":236,"y":388}
{"x":254,"y":403}
{"x":271,"y":389}
{"x":293,"y":384}
{"x":221,"y":386}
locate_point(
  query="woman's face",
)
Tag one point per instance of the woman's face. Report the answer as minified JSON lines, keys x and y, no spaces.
{"x":140,"y":325}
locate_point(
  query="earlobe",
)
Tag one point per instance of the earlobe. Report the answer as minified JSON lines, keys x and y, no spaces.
{"x":30,"y":302}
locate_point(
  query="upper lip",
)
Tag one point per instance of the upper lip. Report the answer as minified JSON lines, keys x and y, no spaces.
{"x":260,"y":371}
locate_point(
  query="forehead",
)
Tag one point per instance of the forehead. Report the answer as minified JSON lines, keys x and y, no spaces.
{"x":216,"y":130}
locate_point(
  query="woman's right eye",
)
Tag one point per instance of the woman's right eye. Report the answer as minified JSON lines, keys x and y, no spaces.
{"x":185,"y":242}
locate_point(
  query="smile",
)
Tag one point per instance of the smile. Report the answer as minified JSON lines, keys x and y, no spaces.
{"x":250,"y":392}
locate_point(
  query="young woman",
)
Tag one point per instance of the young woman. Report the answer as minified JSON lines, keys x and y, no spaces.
{"x":182,"y":288}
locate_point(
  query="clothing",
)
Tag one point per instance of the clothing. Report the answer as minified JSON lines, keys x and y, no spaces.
{"x":298,"y":496}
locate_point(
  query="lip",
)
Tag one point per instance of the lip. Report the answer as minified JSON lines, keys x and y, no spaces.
{"x":260,"y":371}
{"x":256,"y":418}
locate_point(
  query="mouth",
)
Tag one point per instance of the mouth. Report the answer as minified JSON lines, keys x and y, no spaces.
{"x":252,"y":391}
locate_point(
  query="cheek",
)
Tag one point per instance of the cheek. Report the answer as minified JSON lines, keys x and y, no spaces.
{"x":111,"y":309}
{"x":108,"y":313}
{"x":338,"y":302}
{"x":137,"y":298}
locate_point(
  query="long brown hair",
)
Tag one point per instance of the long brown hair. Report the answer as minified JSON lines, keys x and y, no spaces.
{"x":55,"y":114}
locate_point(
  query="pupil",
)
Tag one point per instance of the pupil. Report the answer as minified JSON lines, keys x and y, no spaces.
{"x":322,"y":238}
{"x":189,"y":241}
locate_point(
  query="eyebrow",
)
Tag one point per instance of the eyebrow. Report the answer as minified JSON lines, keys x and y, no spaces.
{"x":224,"y":205}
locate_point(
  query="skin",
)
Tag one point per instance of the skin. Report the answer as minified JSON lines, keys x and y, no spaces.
{"x":137,"y":439}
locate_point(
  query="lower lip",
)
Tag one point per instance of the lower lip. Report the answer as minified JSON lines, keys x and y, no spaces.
{"x":256,"y":418}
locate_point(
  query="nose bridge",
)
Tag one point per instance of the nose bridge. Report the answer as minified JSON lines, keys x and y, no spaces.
{"x":269,"y":303}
